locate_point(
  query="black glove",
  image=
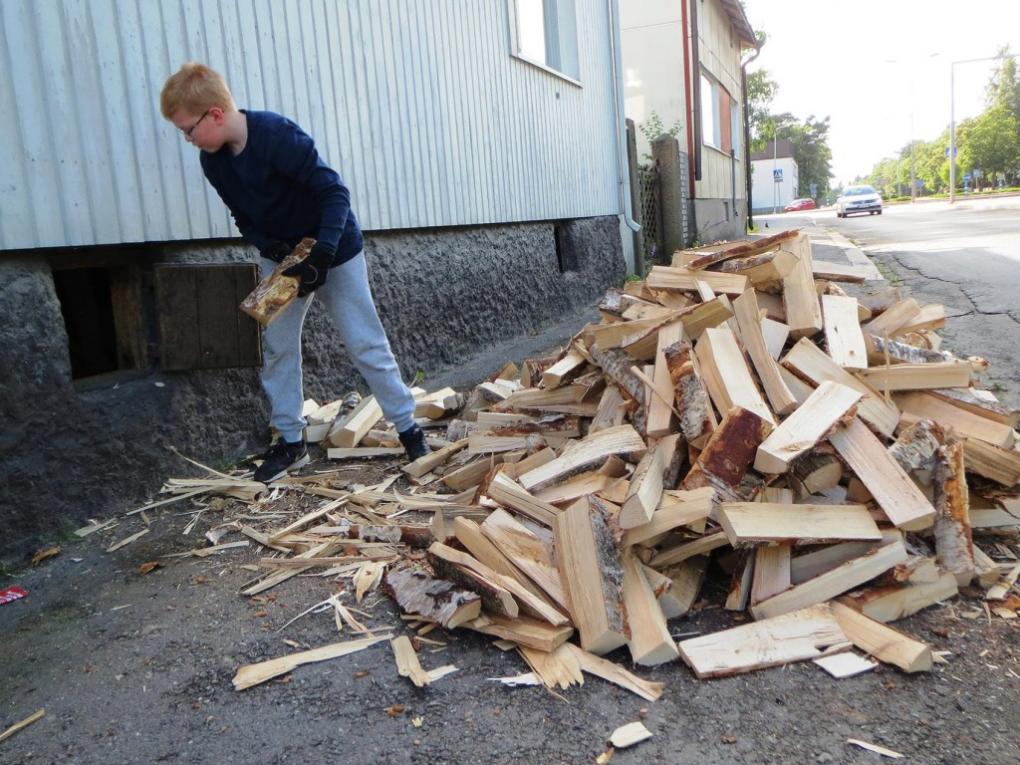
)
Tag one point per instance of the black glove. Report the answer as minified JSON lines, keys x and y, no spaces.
{"x":276,"y":250}
{"x":313,"y":270}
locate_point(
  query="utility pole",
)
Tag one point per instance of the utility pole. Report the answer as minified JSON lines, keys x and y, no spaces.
{"x":913,"y":172}
{"x":775,"y":186}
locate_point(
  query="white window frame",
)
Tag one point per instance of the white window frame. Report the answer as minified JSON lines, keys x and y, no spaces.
{"x":564,"y":44}
{"x":711,"y":130}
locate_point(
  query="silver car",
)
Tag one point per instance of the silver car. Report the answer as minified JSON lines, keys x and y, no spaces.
{"x":859,"y":199}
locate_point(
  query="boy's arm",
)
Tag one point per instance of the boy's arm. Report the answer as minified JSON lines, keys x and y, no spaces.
{"x":294,"y":155}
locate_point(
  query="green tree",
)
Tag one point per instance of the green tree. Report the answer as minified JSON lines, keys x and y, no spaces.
{"x":1004,"y":87}
{"x":992,"y":144}
{"x":811,"y":151}
{"x":761,"y":89}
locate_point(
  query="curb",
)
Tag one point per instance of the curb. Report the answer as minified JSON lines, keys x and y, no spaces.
{"x":855,"y":255}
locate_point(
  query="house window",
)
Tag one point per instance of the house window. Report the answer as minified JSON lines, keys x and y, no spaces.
{"x":103,"y":319}
{"x":544,"y":33}
{"x":720,"y":117}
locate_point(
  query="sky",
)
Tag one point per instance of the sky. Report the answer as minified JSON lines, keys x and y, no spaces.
{"x":880,"y":69}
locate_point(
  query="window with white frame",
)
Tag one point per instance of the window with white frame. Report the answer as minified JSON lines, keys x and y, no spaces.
{"x":544,"y":33}
{"x":720,"y":117}
{"x":710,"y":128}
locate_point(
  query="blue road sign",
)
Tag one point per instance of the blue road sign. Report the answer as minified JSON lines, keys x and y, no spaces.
{"x":777,"y":175}
{"x":955,"y":151}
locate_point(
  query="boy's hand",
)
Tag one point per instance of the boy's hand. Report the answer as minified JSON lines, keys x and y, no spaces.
{"x":313,"y":270}
{"x":276,"y":251}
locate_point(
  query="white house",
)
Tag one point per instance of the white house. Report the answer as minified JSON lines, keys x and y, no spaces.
{"x":682,"y":68}
{"x":774,"y":177}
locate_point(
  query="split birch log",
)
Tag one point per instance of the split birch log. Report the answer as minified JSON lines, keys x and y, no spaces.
{"x":673,"y":512}
{"x":824,"y":408}
{"x":809,"y":362}
{"x":588,"y":554}
{"x":803,"y":310}
{"x":660,"y":412}
{"x":843,"y":336}
{"x":797,"y":636}
{"x":916,"y":446}
{"x":726,"y":375}
{"x":897,"y":377}
{"x":697,"y":418}
{"x":728,"y":454}
{"x":346,"y":433}
{"x":832,"y":583}
{"x":509,"y":493}
{"x":276,"y":291}
{"x":748,"y":318}
{"x":584,"y":454}
{"x":530,"y":601}
{"x":887,"y":603}
{"x":771,"y":572}
{"x":893,"y":319}
{"x":528,"y":553}
{"x":993,"y":462}
{"x":645,"y":490}
{"x":745,"y":249}
{"x":753,"y":522}
{"x":954,"y":544}
{"x":418,"y":593}
{"x":897,"y":495}
{"x":650,"y":642}
{"x":815,"y":471}
{"x":522,"y":630}
{"x":496,"y":598}
{"x":882,"y":642}
{"x":684,"y":279}
{"x":948,"y":415}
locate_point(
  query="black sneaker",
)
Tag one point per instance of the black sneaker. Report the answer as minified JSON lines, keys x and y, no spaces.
{"x":413,"y":440}
{"x":280,"y":459}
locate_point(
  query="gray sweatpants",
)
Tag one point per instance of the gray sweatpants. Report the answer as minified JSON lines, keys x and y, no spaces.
{"x":348,"y":299}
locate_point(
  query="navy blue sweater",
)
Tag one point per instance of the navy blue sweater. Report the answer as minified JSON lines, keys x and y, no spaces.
{"x":278,"y":188}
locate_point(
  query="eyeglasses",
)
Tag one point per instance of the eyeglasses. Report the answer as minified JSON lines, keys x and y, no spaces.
{"x":190,"y":130}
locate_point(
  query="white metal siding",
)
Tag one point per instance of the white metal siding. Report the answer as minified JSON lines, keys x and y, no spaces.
{"x":417,"y":103}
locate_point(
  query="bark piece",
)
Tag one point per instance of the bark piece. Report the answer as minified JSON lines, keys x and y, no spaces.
{"x":729,"y":453}
{"x":697,"y":418}
{"x":419,"y":593}
{"x":954,"y":544}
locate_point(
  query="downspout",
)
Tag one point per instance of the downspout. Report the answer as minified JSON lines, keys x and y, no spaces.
{"x":687,"y":100}
{"x":621,"y":136}
{"x":696,"y":86}
{"x":747,"y":134}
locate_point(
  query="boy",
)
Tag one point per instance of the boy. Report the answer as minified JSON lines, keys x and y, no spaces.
{"x":278,"y":189}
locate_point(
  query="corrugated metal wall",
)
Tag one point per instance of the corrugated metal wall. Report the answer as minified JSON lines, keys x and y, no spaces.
{"x":418,"y":104}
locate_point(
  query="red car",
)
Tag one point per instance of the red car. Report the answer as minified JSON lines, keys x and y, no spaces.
{"x":800,"y":204}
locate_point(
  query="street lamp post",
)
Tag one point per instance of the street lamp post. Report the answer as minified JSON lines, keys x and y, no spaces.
{"x":952,"y":115}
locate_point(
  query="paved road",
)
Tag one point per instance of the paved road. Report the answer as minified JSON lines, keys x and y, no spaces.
{"x":966,"y":256}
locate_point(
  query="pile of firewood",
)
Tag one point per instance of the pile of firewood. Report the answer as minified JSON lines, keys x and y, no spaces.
{"x":736,"y":411}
